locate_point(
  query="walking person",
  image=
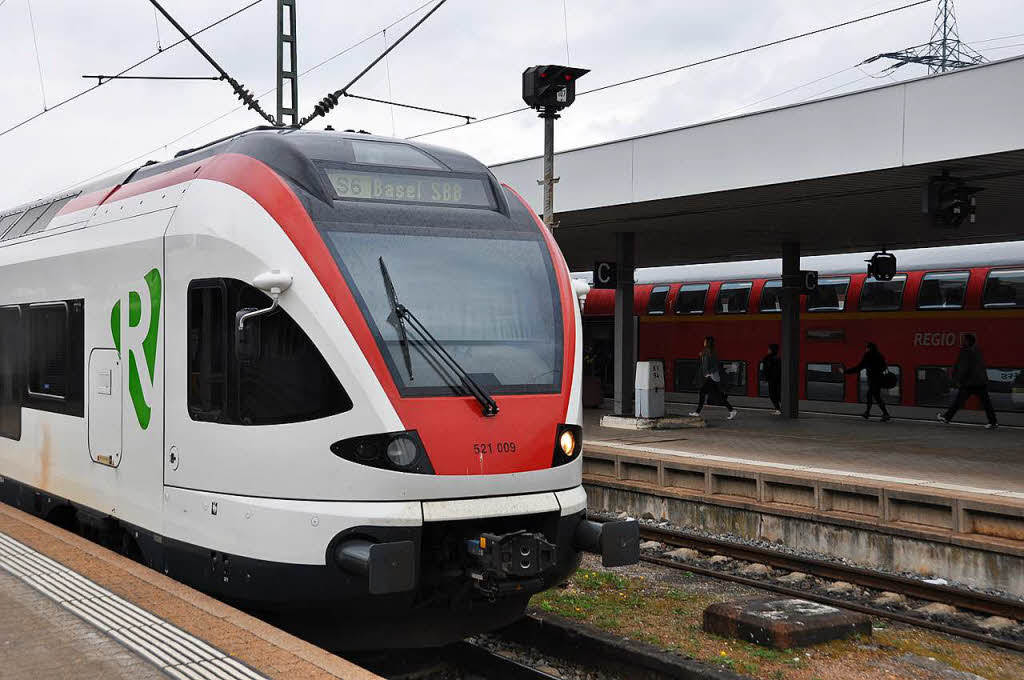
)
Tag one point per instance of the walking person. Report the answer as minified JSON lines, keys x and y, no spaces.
{"x":709,"y":379}
{"x":970,"y":377}
{"x":873,"y":363}
{"x":771,"y":373}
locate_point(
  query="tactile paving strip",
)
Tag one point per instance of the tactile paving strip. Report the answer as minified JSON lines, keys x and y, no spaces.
{"x":166,"y":646}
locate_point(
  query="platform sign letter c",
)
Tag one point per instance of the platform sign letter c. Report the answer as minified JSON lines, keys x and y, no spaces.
{"x":137,"y":335}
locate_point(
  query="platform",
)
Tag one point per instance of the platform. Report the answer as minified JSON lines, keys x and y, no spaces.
{"x":70,"y":608}
{"x":945,"y":500}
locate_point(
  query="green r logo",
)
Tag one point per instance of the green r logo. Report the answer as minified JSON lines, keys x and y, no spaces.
{"x":139,"y":337}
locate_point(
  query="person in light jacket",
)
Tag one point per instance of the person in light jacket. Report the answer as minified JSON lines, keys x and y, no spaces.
{"x":708,"y":378}
{"x":970,"y":377}
{"x":873,"y":363}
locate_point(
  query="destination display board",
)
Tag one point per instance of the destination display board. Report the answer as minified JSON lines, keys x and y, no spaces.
{"x":431,"y":189}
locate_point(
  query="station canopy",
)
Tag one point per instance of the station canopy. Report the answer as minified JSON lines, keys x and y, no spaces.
{"x":844,"y":174}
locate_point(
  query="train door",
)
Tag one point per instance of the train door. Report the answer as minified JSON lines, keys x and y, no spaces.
{"x":105,"y":404}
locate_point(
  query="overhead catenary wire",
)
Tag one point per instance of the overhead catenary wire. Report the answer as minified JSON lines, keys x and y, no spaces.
{"x":331,"y":100}
{"x":693,"y":64}
{"x":241,"y":92}
{"x":125,"y":70}
{"x":35,"y":44}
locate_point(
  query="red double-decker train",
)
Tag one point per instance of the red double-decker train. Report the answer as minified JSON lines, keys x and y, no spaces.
{"x":918,"y":321}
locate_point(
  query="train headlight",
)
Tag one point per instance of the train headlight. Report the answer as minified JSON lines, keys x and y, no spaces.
{"x":568,"y":444}
{"x":402,"y":451}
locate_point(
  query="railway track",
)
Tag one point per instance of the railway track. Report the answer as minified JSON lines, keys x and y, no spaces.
{"x":979,"y":603}
{"x":479,"y":661}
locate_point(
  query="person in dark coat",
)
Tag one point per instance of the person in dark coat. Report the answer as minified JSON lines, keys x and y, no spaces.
{"x":771,"y":373}
{"x":970,"y":377}
{"x":873,"y":363}
{"x":708,"y":378}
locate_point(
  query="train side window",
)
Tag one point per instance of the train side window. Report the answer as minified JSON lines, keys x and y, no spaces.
{"x":882,"y":296}
{"x":894,"y":393}
{"x":1004,"y":288}
{"x":829,"y":295}
{"x":54,"y":356}
{"x":282,"y":378}
{"x":933,"y":385}
{"x":656,"y":303}
{"x":733,"y":297}
{"x":826,"y":382}
{"x":1006,"y":388}
{"x":207,"y":349}
{"x":771,"y":300}
{"x":12,"y":372}
{"x":734,"y":376}
{"x":685,"y":375}
{"x":943,"y":290}
{"x":7,"y":221}
{"x":691,"y":298}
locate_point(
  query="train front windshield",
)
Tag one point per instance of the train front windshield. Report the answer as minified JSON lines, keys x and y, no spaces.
{"x":483,"y":285}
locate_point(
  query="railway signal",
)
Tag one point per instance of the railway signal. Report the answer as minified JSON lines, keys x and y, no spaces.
{"x":549,"y":89}
{"x":882,"y":266}
{"x":950,"y":201}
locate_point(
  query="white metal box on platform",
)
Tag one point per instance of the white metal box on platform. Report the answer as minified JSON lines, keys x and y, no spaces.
{"x":649,"y":390}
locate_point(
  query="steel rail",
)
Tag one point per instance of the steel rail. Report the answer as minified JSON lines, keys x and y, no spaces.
{"x":841,"y":604}
{"x":964,"y":599}
{"x":487,"y":663}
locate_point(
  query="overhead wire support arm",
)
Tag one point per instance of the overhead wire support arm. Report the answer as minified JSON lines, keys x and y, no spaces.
{"x":243,"y":94}
{"x":104,"y":78}
{"x":331,"y":100}
{"x":410,"y":106}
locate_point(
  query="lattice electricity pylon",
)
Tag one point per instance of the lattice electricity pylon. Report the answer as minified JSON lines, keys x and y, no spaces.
{"x":945,"y":50}
{"x":287,"y":68}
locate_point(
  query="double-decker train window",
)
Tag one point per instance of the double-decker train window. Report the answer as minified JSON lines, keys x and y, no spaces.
{"x":656,"y":303}
{"x":829,"y":295}
{"x":12,"y":372}
{"x":733,"y":297}
{"x":270,"y":373}
{"x":943,"y":290}
{"x":685,"y":375}
{"x":882,"y":296}
{"x":771,"y":299}
{"x":1006,"y":388}
{"x":933,"y":386}
{"x":734,"y":376}
{"x":691,"y":298}
{"x":892,"y":393}
{"x":826,"y":382}
{"x":1004,"y":288}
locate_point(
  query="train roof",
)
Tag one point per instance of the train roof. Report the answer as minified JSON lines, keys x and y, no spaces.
{"x":946,"y":257}
{"x":288,"y":151}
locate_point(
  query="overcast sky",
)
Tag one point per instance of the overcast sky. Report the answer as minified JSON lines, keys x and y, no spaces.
{"x":466,"y":58}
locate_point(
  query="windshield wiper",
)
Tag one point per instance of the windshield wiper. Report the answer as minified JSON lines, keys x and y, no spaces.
{"x":401,"y":314}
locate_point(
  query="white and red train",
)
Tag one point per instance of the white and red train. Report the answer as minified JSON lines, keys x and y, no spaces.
{"x":917,"y":320}
{"x":335,"y":377}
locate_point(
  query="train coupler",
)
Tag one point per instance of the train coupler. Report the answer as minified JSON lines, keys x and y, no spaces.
{"x":508,"y":563}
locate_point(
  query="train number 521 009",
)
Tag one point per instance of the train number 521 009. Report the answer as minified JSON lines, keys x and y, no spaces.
{"x":484,"y":448}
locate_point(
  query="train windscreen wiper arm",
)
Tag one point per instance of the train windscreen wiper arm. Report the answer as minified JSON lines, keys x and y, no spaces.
{"x":402,"y":314}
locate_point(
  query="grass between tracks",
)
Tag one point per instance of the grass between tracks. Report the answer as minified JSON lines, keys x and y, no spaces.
{"x":669,"y":614}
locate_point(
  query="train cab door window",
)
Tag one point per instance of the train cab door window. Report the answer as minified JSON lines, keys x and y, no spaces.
{"x":771,"y":299}
{"x":12,"y":372}
{"x":54,"y":351}
{"x":734,"y":377}
{"x":829,"y":295}
{"x":207,"y":349}
{"x":733,"y":297}
{"x":1006,"y":388}
{"x":892,"y":394}
{"x":691,"y":298}
{"x":1004,"y":289}
{"x":933,"y":385}
{"x":270,"y":373}
{"x":943,"y":290}
{"x":656,"y":303}
{"x":826,"y":382}
{"x":882,"y":296}
{"x":685,"y":375}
